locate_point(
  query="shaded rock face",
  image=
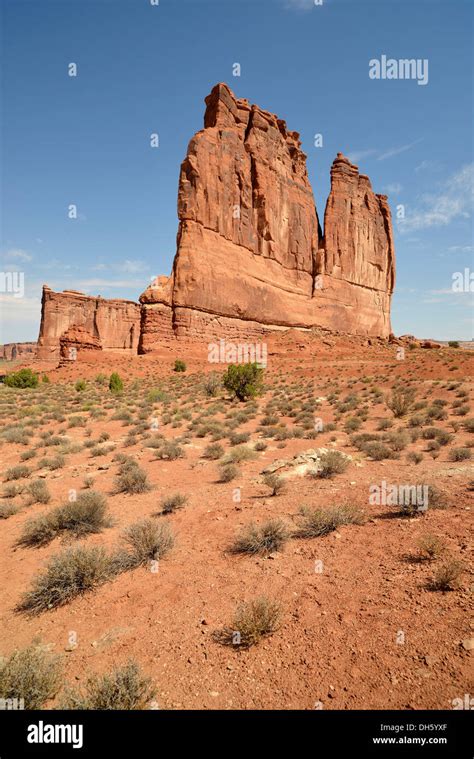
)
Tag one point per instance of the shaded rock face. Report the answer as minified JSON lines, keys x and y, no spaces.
{"x":11,"y":351}
{"x":250,"y":252}
{"x":71,"y":319}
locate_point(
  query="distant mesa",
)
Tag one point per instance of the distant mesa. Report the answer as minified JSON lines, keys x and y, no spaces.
{"x":251,"y":255}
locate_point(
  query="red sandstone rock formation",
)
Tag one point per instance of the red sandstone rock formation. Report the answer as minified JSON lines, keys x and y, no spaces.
{"x":251,"y":256}
{"x":72,"y":319}
{"x":11,"y":351}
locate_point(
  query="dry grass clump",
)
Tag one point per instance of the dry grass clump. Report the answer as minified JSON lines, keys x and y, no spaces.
{"x":318,"y":522}
{"x":38,"y":492}
{"x":447,"y":576}
{"x":275,"y":482}
{"x":131,"y":478}
{"x":431,"y":546}
{"x":123,"y":688}
{"x":238,"y":454}
{"x":146,"y":541}
{"x":228,"y":472}
{"x":213,"y":451}
{"x":331,"y":463}
{"x":68,"y":574}
{"x":170,"y":503}
{"x":261,"y":539}
{"x":253,"y":621}
{"x":81,"y":517}
{"x":31,"y":674}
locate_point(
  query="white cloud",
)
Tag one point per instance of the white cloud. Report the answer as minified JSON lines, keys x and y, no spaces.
{"x":461,"y":248}
{"x":359,"y":155}
{"x":133,"y":266}
{"x":17,"y":254}
{"x":396,"y":151}
{"x":393,"y":189}
{"x":454,"y":200}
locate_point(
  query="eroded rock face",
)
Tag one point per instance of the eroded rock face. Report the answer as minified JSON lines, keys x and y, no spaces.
{"x":11,"y":351}
{"x":72,"y":319}
{"x":251,"y":256}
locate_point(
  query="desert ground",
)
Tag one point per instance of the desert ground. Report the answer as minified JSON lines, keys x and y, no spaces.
{"x":367,"y":603}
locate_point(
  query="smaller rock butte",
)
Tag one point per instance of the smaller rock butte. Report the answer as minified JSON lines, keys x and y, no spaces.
{"x":11,"y":351}
{"x":251,"y":257}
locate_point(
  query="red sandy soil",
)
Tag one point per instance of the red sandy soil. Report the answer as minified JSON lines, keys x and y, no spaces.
{"x":337,"y":645}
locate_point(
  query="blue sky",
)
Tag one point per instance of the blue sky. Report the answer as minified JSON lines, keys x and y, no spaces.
{"x":142,"y":68}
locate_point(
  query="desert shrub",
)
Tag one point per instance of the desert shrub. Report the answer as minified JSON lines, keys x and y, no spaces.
{"x":156,"y":394}
{"x":228,"y":472}
{"x":237,"y":438}
{"x":131,"y":479}
{"x":318,"y":522}
{"x":244,"y":380}
{"x":18,"y":472}
{"x":170,"y":451}
{"x":172,"y":502}
{"x":398,"y":440}
{"x":447,"y":576}
{"x":23,"y":378}
{"x":414,"y":457}
{"x":453,"y":343}
{"x":252,"y":621}
{"x":377,"y":451}
{"x":469,"y":425}
{"x":261,"y":539}
{"x":27,"y":455}
{"x":45,"y":379}
{"x":213,"y":451}
{"x":115,"y":383}
{"x":147,"y":540}
{"x":212,"y":384}
{"x":275,"y":482}
{"x":101,"y":379}
{"x":238,"y":454}
{"x":261,"y":445}
{"x":179,"y":366}
{"x":352,"y":424}
{"x":38,"y":492}
{"x":460,"y":454}
{"x":124,"y":688}
{"x":80,"y":385}
{"x":32,"y":674}
{"x":400,"y":401}
{"x":68,"y":574}
{"x":8,"y":510}
{"x":85,"y":515}
{"x":331,"y":463}
{"x":269,"y":420}
{"x":384,"y":424}
{"x":56,"y":462}
{"x":431,"y":546}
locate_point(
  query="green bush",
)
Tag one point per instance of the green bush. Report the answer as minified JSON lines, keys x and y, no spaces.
{"x":244,"y":380}
{"x":179,"y":366}
{"x":453,"y":344}
{"x":22,"y":379}
{"x":115,"y":383}
{"x":80,"y":385}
